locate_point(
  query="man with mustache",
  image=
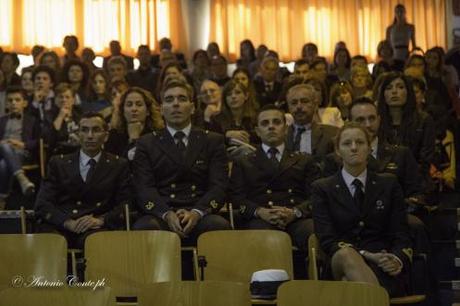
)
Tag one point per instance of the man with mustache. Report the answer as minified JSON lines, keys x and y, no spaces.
{"x":180,"y":172}
{"x":305,"y":135}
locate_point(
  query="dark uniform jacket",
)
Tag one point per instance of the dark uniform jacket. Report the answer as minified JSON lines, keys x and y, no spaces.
{"x":322,"y":139}
{"x":64,"y":195}
{"x":258,"y":182}
{"x":340,"y":223}
{"x":397,"y":160}
{"x":164,"y":179}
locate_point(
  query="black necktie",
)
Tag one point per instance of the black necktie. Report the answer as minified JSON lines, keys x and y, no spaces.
{"x":359,"y":194}
{"x":272,"y":155}
{"x":92,"y":167}
{"x":298,"y":137}
{"x":179,"y":138}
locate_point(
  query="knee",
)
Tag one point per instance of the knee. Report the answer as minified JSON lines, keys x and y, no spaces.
{"x":146,"y":223}
{"x":216,"y":223}
{"x":345,"y":257}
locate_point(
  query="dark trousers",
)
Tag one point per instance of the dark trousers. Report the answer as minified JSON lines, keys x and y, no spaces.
{"x":10,"y":163}
{"x":299,"y":230}
{"x":208,"y":223}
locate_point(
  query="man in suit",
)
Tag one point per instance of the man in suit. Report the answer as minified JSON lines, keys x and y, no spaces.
{"x":272,"y":185}
{"x":267,"y":88}
{"x":181,"y":172}
{"x":305,"y":135}
{"x":165,"y":44}
{"x":84,"y":191}
{"x":145,"y":76}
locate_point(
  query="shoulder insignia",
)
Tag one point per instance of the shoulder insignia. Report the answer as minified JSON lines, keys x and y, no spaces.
{"x":154,"y":133}
{"x":117,"y":157}
{"x":342,"y":245}
{"x":408,"y":252}
{"x":62,"y":156}
{"x":242,"y":209}
{"x":206,"y":131}
{"x":149,"y":205}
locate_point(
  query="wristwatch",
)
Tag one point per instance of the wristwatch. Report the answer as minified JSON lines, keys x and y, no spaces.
{"x":297,"y":212}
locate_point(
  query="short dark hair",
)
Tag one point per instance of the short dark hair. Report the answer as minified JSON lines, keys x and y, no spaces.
{"x":269,"y":107}
{"x":46,"y":69}
{"x":363,"y":101}
{"x":300,"y":62}
{"x":173,"y":83}
{"x":93,"y":114}
{"x":16,"y":89}
{"x":13,"y":55}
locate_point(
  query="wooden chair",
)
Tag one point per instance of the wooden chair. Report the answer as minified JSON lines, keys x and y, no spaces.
{"x":331,"y":293}
{"x":189,"y":293}
{"x":56,"y":296}
{"x":130,"y":260}
{"x":315,"y":254}
{"x":32,"y":255}
{"x":235,"y":255}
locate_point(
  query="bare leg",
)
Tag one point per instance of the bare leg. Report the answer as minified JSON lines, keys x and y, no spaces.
{"x":348,"y":265}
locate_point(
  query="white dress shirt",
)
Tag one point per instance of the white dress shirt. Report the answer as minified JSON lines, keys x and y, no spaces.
{"x":280,"y":148}
{"x":348,"y":178}
{"x":305,"y":138}
{"x":186,"y":131}
{"x":84,"y":165}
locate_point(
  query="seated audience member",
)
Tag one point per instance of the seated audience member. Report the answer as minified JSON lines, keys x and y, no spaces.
{"x":360,"y":218}
{"x":51,"y":59}
{"x":325,"y":113}
{"x":268,"y":89}
{"x":247,"y":54}
{"x":172,"y":69}
{"x":361,"y":82}
{"x":359,"y":60}
{"x":219,"y":70}
{"x":243,"y":77}
{"x":260,"y":54}
{"x":70,"y":44}
{"x":84,"y":191}
{"x":138,"y":115}
{"x":200,"y":69}
{"x":271,"y":186}
{"x":115,"y":51}
{"x":403,"y":124}
{"x":340,"y":68}
{"x":36,"y":53}
{"x":319,"y":68}
{"x":309,"y":52}
{"x":305,"y":135}
{"x":301,"y":69}
{"x":117,"y":68}
{"x":210,"y":100}
{"x":237,"y":119}
{"x":88,"y":56}
{"x":27,"y":82}
{"x":386,"y":62}
{"x":341,"y":96}
{"x":213,"y":49}
{"x":18,"y":143}
{"x":145,"y":76}
{"x":76,"y":74}
{"x":42,"y":105}
{"x":9,"y":62}
{"x":99,"y":95}
{"x":166,"y":45}
{"x":64,"y":138}
{"x":181,"y":172}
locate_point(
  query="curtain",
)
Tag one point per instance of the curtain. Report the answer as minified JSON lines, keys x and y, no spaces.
{"x":24,"y":23}
{"x":286,"y":25}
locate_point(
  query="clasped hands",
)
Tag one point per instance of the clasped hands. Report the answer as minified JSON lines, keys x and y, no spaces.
{"x":182,"y":221}
{"x":386,"y":261}
{"x":83,"y":224}
{"x":276,"y":215}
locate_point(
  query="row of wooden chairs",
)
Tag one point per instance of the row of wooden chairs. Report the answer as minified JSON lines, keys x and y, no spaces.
{"x":128,"y":261}
{"x":208,"y":293}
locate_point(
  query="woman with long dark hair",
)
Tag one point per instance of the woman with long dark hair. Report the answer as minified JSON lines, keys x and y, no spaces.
{"x":402,"y":123}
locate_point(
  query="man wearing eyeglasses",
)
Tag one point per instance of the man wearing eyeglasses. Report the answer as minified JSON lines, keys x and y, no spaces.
{"x":84,"y":191}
